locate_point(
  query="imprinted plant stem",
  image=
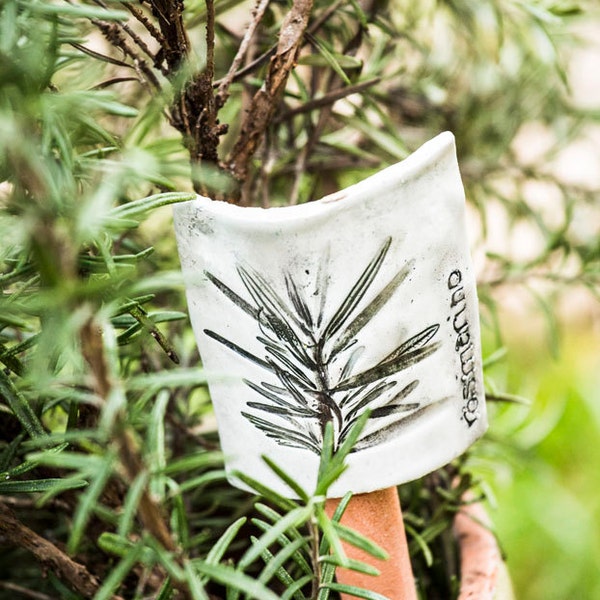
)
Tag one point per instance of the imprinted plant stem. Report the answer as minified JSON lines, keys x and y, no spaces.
{"x":327,"y":405}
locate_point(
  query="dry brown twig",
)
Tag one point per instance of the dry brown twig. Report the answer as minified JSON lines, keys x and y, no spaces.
{"x":48,"y":555}
{"x":328,"y":99}
{"x":332,"y":87}
{"x":257,"y":15}
{"x":196,"y":104}
{"x":266,"y":99}
{"x":150,"y":513}
{"x":23,"y":591}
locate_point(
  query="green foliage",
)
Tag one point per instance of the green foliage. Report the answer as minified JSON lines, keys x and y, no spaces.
{"x":107,"y":447}
{"x":549,"y":466}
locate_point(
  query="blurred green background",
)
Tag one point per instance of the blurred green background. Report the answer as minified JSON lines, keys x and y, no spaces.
{"x":542,"y":460}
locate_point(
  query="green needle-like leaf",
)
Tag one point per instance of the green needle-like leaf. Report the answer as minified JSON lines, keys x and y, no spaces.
{"x":219,"y":548}
{"x":287,"y":479}
{"x":194,"y":582}
{"x":20,"y":407}
{"x":87,"y":503}
{"x":294,"y":518}
{"x":235,"y":579}
{"x":274,"y":563}
{"x":140,"y":207}
{"x":118,"y":574}
{"x":295,"y":589}
{"x":40,"y":485}
{"x":355,"y":591}
{"x":359,"y":541}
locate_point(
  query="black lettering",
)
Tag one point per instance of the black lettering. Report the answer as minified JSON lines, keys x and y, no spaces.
{"x":458,"y":296}
{"x":460,"y":312}
{"x":472,"y":405}
{"x":470,"y":418}
{"x":462,"y":339}
{"x":466,"y":356}
{"x":469,"y":388}
{"x":469,"y":365}
{"x":454,"y":279}
{"x":464,"y":347}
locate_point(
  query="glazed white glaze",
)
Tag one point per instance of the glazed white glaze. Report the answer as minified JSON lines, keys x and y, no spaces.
{"x":314,"y":313}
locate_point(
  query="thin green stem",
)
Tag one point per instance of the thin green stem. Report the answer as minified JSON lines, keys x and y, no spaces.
{"x":315,"y":542}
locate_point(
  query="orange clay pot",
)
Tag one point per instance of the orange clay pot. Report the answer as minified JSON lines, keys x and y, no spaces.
{"x":377,"y":515}
{"x":483,"y":573}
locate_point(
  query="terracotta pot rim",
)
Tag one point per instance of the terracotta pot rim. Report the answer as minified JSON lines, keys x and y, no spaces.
{"x":482,"y":567}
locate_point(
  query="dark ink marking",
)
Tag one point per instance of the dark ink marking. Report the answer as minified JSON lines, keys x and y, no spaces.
{"x":464,"y":348}
{"x":300,"y":346}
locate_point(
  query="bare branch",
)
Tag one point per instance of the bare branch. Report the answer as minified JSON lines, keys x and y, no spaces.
{"x":175,"y":44}
{"x":114,"y":36}
{"x":23,"y":591}
{"x":325,"y":16}
{"x":328,"y":99}
{"x":101,"y":57}
{"x":251,"y":66}
{"x":104,"y":84}
{"x":141,"y":44}
{"x":150,"y":513}
{"x":257,"y":15}
{"x":265,"y":101}
{"x":48,"y":554}
{"x":141,"y":18}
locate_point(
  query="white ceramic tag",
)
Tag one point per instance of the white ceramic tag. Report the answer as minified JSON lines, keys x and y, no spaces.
{"x":313,"y":313}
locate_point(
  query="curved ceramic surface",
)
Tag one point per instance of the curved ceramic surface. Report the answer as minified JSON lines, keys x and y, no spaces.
{"x":312,"y":314}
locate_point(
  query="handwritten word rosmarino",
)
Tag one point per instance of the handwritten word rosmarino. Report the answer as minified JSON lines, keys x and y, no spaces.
{"x":464,"y":347}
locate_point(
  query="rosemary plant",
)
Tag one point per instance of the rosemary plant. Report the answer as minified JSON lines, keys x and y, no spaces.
{"x":111,"y":481}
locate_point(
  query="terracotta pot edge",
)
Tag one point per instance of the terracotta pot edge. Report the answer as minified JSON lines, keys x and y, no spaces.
{"x":482,"y":568}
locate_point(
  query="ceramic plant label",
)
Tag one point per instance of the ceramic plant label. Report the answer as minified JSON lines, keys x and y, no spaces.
{"x":312,"y":314}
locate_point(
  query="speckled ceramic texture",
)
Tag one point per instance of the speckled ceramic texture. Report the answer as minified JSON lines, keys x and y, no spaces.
{"x":313,"y":314}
